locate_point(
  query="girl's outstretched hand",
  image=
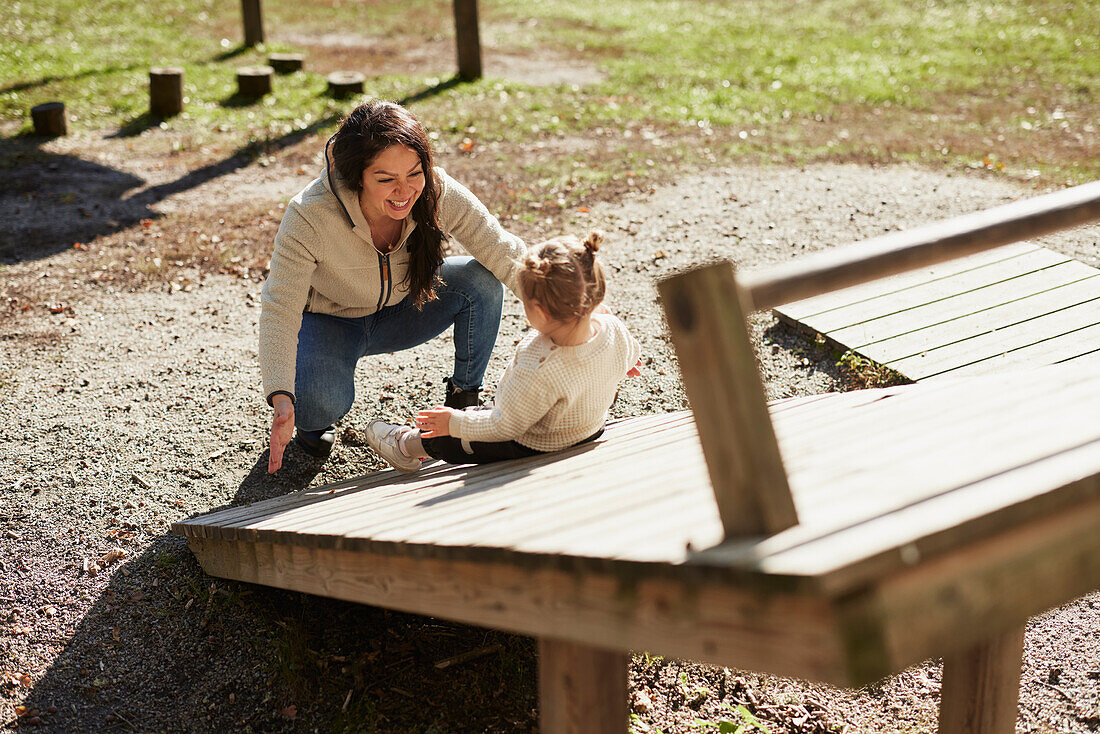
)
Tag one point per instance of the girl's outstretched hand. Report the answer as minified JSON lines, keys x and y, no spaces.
{"x":434,"y":422}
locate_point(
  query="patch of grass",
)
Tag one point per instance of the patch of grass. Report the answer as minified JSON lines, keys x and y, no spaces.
{"x":742,"y":722}
{"x":950,"y":82}
{"x":858,"y":372}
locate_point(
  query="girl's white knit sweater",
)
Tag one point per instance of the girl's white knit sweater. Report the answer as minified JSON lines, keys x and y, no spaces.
{"x":551,"y":397}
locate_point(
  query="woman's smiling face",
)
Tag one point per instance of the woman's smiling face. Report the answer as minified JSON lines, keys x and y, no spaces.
{"x":391,"y":184}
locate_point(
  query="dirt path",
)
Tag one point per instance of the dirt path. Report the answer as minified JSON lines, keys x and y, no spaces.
{"x":128,"y":409}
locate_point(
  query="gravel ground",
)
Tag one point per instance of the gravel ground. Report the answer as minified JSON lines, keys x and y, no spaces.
{"x":125,"y":411}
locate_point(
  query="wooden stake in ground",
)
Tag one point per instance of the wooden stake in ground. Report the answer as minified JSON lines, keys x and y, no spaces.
{"x":165,"y":91}
{"x":285,"y":63}
{"x":254,"y":81}
{"x":466,"y":39}
{"x":50,"y":120}
{"x":253,"y":22}
{"x":343,"y":84}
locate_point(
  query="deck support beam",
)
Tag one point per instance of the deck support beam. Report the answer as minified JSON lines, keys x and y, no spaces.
{"x":582,"y":689}
{"x":981,"y":686}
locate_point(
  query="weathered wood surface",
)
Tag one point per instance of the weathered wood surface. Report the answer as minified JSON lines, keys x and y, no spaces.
{"x":1015,"y":307}
{"x":706,"y":319}
{"x":920,"y":247}
{"x":981,"y":687}
{"x":872,"y":472}
{"x":582,"y":689}
{"x":933,"y":516}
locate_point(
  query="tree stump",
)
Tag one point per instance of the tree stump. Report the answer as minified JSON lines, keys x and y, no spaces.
{"x":253,"y":22}
{"x":254,"y":81}
{"x":285,"y":63}
{"x":165,"y":91}
{"x":343,"y":84}
{"x":50,"y":120}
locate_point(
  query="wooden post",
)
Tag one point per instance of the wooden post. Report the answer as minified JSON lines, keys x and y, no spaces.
{"x":343,"y":84}
{"x":253,"y":22}
{"x":981,"y":687}
{"x":466,"y":39}
{"x":254,"y":81}
{"x":706,"y":317}
{"x":50,"y":120}
{"x":582,"y":689}
{"x":165,"y":91}
{"x":285,"y":63}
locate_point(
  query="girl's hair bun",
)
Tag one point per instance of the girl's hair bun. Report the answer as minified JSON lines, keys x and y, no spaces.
{"x":538,"y":264}
{"x":592,"y":243}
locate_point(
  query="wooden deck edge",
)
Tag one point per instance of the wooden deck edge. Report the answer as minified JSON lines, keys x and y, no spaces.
{"x":785,"y":634}
{"x":959,"y":599}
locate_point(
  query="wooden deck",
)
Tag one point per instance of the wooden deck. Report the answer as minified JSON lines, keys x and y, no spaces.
{"x":618,"y":544}
{"x":1015,"y":306}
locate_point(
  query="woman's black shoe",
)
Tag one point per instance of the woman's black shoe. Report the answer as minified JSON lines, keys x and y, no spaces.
{"x":317,"y":444}
{"x":459,"y":399}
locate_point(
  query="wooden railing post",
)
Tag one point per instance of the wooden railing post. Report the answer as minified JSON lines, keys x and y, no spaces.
{"x":582,"y":689}
{"x":467,"y":40}
{"x":706,"y":317}
{"x":981,"y":687}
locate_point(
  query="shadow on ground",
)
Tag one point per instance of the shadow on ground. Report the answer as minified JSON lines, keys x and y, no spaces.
{"x":164,"y":637}
{"x":52,"y":202}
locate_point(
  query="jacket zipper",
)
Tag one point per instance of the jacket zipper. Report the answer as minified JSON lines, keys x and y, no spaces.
{"x":384,"y":269}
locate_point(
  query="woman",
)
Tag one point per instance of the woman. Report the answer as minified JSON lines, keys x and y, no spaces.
{"x":358,"y":269}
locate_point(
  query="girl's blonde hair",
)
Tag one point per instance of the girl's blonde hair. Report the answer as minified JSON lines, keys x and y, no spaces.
{"x":562,"y":274}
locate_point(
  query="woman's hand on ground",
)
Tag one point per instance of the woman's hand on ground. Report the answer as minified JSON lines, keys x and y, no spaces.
{"x":282,"y":429}
{"x":434,"y":422}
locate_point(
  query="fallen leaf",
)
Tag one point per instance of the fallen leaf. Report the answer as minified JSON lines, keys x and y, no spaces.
{"x":467,"y":145}
{"x":583,"y":209}
{"x":290,"y":712}
{"x":111,"y":556}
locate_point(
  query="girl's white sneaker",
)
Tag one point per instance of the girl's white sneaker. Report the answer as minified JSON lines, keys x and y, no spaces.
{"x":384,"y":439}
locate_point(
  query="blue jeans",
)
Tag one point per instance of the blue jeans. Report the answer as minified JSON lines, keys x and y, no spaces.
{"x":329,"y":347}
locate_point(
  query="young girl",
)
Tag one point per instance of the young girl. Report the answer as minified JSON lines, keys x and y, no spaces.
{"x":559,"y":386}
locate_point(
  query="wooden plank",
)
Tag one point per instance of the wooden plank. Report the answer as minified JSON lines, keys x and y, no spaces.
{"x":869,"y":547}
{"x":941,"y":431}
{"x":707,"y":323}
{"x":912,"y":414}
{"x":389,"y":486}
{"x":985,"y":588}
{"x":524,"y":485}
{"x":945,"y":311}
{"x":898,"y":302}
{"x":922,"y":246}
{"x":799,"y":310}
{"x":752,"y":628}
{"x":582,"y":689}
{"x":981,"y":686}
{"x":1003,"y":341}
{"x":1063,"y":348}
{"x":908,"y":344}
